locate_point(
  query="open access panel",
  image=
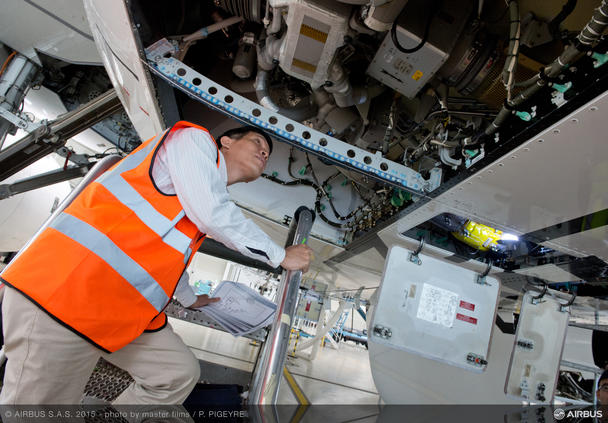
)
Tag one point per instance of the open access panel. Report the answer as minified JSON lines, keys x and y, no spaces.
{"x":435,"y":309}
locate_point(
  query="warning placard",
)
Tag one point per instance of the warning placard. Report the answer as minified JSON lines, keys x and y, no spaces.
{"x":437,"y":305}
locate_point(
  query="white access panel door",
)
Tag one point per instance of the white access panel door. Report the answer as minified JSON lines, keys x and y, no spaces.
{"x":538,"y":347}
{"x":435,"y":309}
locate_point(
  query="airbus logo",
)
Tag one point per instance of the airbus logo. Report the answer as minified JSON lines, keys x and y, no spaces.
{"x":560,"y":414}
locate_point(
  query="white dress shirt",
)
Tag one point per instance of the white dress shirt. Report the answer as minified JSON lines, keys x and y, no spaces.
{"x":186,"y":165}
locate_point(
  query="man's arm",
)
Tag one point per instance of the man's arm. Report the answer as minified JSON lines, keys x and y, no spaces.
{"x":190,"y":157}
{"x":184,"y":292}
{"x":186,"y":296}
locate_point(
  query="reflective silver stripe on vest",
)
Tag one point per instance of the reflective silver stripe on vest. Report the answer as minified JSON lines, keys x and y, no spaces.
{"x":102,"y":246}
{"x":127,"y":195}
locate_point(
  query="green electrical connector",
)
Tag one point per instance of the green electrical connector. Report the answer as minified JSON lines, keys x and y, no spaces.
{"x":399,"y":197}
{"x":442,"y":240}
{"x":329,"y":196}
{"x":302,"y":170}
{"x":600,"y":59}
{"x":322,"y":207}
{"x":525,"y":116}
{"x":471,"y":153}
{"x":328,"y":187}
{"x":562,"y":88}
{"x":344,"y":182}
{"x":275,"y":174}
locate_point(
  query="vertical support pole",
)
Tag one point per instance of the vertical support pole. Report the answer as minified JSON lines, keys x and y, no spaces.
{"x":268,"y":373}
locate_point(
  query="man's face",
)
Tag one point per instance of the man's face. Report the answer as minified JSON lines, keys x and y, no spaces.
{"x":249,"y":153}
{"x":602,"y":392}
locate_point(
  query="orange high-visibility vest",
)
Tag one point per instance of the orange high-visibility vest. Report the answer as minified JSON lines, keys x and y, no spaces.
{"x":109,"y":264}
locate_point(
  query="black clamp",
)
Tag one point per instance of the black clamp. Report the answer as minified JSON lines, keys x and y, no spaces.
{"x":413,"y":256}
{"x":564,"y":307}
{"x":538,"y":297}
{"x":481,"y":278}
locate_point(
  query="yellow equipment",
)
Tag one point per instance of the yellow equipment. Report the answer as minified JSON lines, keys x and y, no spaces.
{"x":479,"y":236}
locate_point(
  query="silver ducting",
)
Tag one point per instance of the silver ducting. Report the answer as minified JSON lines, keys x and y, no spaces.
{"x":339,"y":85}
{"x":380,"y":15}
{"x":268,"y":53}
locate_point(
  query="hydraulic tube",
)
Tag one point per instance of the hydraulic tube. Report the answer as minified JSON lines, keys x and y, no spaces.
{"x":14,"y":82}
{"x":585,"y":40}
{"x":268,"y":373}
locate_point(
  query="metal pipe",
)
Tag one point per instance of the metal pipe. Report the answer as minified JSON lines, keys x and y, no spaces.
{"x":99,"y":168}
{"x":204,"y":32}
{"x":48,"y":138}
{"x":268,"y":373}
{"x":585,"y":39}
{"x":43,"y":180}
{"x":15,"y":81}
{"x":344,"y":94}
{"x":268,"y":52}
{"x":275,"y":24}
{"x":508,"y":72}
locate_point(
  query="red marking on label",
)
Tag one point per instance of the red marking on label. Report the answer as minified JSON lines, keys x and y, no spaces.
{"x":142,"y":109}
{"x":467,"y":319}
{"x":467,"y":306}
{"x":308,"y":306}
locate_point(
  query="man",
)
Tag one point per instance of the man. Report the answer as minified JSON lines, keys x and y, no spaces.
{"x":95,"y":283}
{"x":602,"y":389}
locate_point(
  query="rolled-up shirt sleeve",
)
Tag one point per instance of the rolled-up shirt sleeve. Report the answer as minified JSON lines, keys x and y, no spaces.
{"x":184,"y":292}
{"x":191,"y":159}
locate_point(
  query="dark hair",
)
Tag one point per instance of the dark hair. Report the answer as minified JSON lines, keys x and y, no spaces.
{"x":240,"y":132}
{"x":603,"y":376}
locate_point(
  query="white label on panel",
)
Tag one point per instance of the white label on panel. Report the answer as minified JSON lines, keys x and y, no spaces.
{"x":437,"y":305}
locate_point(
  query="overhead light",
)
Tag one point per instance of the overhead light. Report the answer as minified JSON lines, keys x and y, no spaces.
{"x":509,"y":237}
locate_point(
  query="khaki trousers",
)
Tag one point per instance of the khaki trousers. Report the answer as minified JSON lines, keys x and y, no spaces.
{"x":49,"y":364}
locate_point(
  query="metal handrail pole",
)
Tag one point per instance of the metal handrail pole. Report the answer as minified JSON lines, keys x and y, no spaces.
{"x":100,"y":167}
{"x":268,"y":373}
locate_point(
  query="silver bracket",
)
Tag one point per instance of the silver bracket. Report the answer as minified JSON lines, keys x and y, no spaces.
{"x":79,"y":159}
{"x":284,"y":129}
{"x":382,"y":332}
{"x":481,"y":278}
{"x":413,"y":256}
{"x":565,"y":308}
{"x":18,"y":121}
{"x":538,"y":298}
